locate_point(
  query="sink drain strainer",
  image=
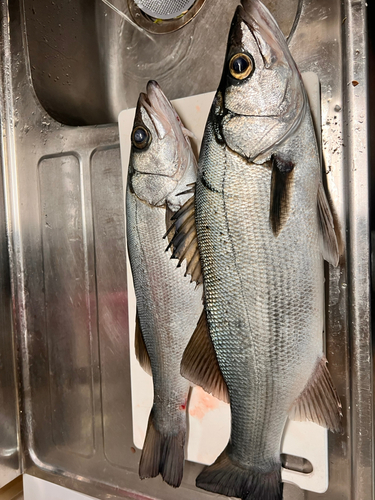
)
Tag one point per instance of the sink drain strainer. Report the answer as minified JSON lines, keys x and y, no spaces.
{"x":164,"y":9}
{"x":163,"y":16}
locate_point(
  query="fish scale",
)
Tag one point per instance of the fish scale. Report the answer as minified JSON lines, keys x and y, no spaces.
{"x":264,"y":278}
{"x":157,"y":279}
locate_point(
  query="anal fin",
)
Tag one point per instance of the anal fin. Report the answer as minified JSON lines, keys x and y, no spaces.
{"x":140,"y":347}
{"x":319,"y":401}
{"x":199,"y":363}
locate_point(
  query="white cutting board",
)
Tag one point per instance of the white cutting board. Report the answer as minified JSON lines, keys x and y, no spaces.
{"x":209,"y":418}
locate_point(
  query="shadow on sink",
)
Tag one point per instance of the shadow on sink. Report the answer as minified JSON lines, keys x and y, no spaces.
{"x":88,"y":63}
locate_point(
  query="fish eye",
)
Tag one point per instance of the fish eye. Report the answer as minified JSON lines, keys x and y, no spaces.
{"x":141,"y":137}
{"x":240,"y":66}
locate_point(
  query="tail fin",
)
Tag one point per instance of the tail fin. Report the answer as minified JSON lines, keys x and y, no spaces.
{"x":162,"y":454}
{"x":249,"y":483}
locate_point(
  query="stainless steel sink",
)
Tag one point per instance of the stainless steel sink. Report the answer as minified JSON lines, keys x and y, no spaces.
{"x":69,"y":63}
{"x":87,"y":63}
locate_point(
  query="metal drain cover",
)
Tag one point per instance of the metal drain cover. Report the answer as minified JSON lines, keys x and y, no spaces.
{"x":163,"y":16}
{"x":164,"y":9}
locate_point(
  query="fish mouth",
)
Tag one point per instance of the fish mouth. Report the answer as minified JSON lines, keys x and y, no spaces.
{"x":158,"y":108}
{"x":264,"y":28}
{"x":255,"y":12}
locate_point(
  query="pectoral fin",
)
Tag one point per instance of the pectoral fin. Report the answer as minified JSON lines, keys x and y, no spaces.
{"x":281,"y":186}
{"x":140,"y":348}
{"x":169,"y":224}
{"x":319,"y":401}
{"x":330,"y":249}
{"x":199,"y":363}
{"x":184,"y":243}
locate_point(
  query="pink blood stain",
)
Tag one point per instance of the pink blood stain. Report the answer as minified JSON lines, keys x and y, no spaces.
{"x":201,"y":403}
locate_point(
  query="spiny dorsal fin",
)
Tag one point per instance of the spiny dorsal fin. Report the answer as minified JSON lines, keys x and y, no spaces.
{"x":281,"y":185}
{"x":140,"y":347}
{"x":199,"y":363}
{"x":184,"y":242}
{"x":319,"y":401}
{"x":330,"y":249}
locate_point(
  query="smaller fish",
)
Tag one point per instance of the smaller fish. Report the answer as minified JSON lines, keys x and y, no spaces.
{"x":162,"y":165}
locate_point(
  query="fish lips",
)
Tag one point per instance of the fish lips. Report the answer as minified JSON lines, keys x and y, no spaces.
{"x":161,"y":112}
{"x":267,"y":33}
{"x":158,"y":108}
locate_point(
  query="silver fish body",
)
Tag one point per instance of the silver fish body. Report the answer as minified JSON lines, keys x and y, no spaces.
{"x":263,"y":295}
{"x":263,"y":226}
{"x":168,"y":304}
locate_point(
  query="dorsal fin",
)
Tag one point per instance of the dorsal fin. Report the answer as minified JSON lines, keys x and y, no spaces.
{"x":319,"y":401}
{"x":140,"y":347}
{"x":199,"y":363}
{"x":330,"y":249}
{"x":184,"y":243}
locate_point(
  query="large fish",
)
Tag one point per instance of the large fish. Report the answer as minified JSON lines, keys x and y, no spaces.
{"x":264,"y":227}
{"x":161,"y":166}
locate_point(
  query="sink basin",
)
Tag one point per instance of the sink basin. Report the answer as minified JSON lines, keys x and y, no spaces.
{"x":88,"y":63}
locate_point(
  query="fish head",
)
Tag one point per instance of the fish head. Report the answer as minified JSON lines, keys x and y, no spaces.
{"x":160,"y":151}
{"x":261,"y":94}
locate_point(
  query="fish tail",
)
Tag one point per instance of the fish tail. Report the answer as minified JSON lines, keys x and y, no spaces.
{"x":162,"y":454}
{"x":249,"y":483}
